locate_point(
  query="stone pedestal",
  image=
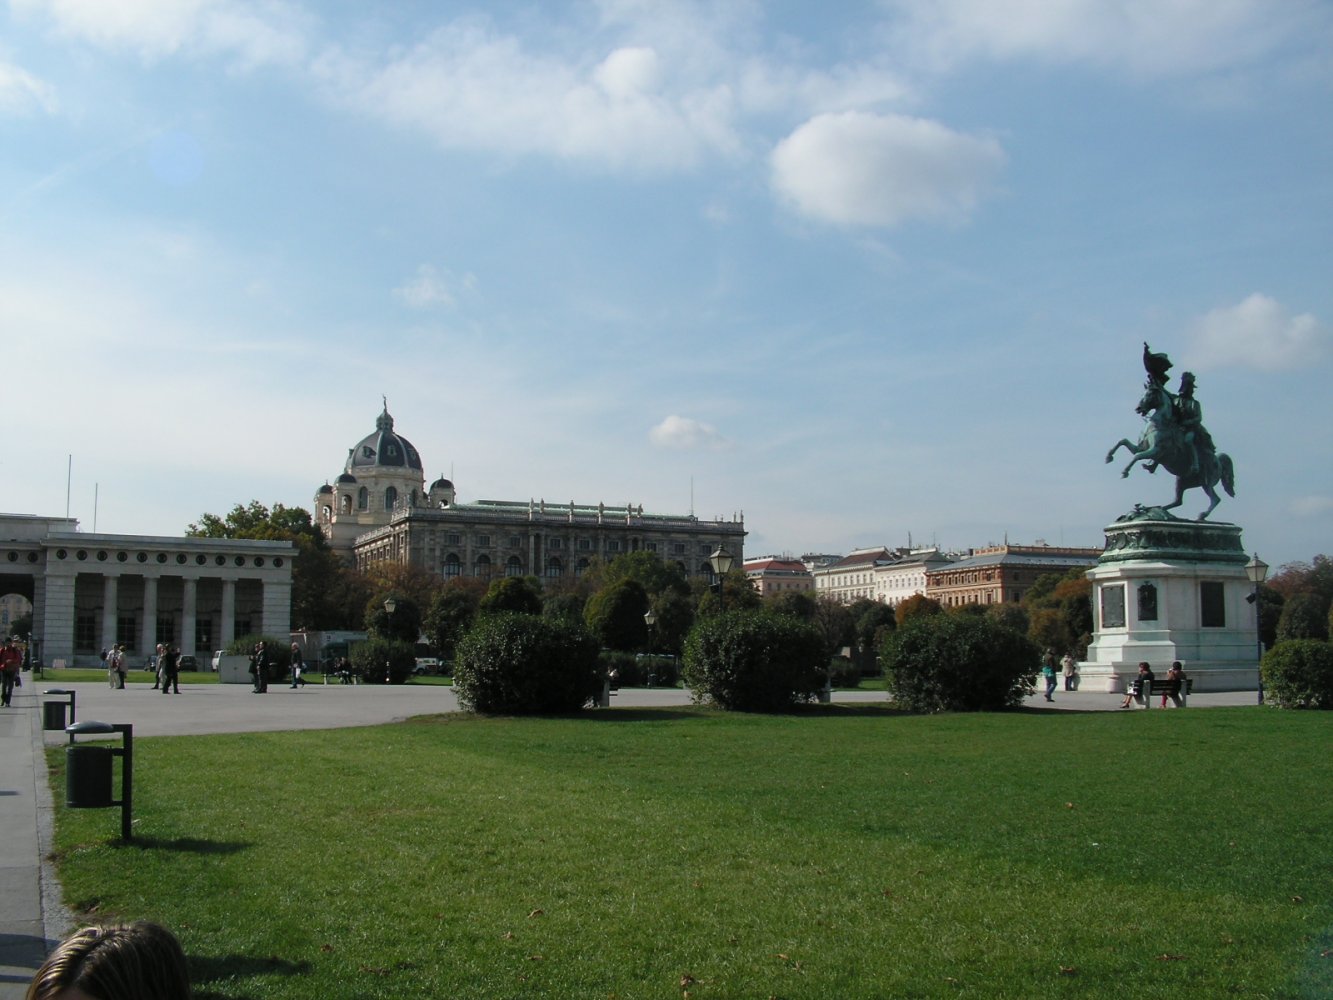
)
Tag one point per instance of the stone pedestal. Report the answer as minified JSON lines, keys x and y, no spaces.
{"x":1167,"y":589}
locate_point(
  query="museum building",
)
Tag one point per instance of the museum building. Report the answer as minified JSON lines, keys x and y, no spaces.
{"x":379,"y":510}
{"x":90,"y":590}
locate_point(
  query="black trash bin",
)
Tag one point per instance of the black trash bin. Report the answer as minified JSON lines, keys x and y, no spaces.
{"x":87,"y":777}
{"x":53,"y":714}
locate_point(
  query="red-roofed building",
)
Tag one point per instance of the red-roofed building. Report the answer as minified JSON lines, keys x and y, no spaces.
{"x":778,"y":574}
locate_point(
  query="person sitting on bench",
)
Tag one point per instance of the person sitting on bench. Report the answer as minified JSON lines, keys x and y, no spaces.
{"x":1175,"y":677}
{"x":1138,"y":688}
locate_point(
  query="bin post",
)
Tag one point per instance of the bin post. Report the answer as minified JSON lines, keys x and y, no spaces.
{"x":72,"y":718}
{"x":126,"y":753}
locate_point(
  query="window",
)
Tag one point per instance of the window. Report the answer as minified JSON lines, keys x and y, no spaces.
{"x":553,"y":543}
{"x":513,"y":567}
{"x":483,"y":568}
{"x":127,"y":630}
{"x":580,"y":567}
{"x":585,"y":544}
{"x":390,"y":498}
{"x":705,"y":549}
{"x":455,"y":538}
{"x":650,"y":546}
{"x":453,"y":566}
{"x":613,"y":546}
{"x":85,"y":633}
{"x":678,"y":549}
{"x":203,"y":633}
{"x":363,"y":499}
{"x":166,"y":630}
{"x":484,"y":541}
{"x":515,"y":541}
{"x":1212,"y":605}
{"x":553,"y":568}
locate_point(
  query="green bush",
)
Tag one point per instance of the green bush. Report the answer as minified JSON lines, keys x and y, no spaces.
{"x":369,"y":660}
{"x":844,"y":672}
{"x":1304,"y":616}
{"x":754,"y":661}
{"x":958,"y":663}
{"x":1298,"y":673}
{"x":515,"y":663}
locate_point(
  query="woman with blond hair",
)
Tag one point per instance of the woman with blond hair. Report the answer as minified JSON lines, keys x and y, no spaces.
{"x":140,"y":961}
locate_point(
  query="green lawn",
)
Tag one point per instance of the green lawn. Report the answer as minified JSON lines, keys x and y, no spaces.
{"x":839,"y":853}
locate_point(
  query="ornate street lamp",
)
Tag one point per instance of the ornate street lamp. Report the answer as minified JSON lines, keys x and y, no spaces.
{"x":389,"y":605}
{"x":1257,"y":570}
{"x":721,"y":561}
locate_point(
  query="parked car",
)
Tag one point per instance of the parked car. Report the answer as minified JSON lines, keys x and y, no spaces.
{"x":188,"y":663}
{"x":426,"y":665}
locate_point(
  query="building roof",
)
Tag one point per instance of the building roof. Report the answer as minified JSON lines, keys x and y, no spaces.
{"x":384,"y":449}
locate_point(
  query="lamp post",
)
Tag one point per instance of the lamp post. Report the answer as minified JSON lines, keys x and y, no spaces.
{"x":721,"y":561}
{"x":1257,"y":570}
{"x":650,"y":620}
{"x":389,"y":605}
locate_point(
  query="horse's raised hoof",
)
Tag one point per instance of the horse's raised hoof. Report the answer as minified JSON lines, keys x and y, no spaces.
{"x":1110,"y":456}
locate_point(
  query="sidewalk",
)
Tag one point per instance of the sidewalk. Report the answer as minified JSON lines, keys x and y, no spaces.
{"x":32,"y":918}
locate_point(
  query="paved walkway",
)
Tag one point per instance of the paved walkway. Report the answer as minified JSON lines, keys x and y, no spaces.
{"x":32,"y":917}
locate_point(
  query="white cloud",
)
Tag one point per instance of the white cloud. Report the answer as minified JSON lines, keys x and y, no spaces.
{"x":256,"y":31}
{"x":431,"y":286}
{"x":1142,"y":37}
{"x":1312,"y":506}
{"x":1260,"y":333}
{"x":20,"y":91}
{"x":685,"y":434}
{"x":861,"y":169}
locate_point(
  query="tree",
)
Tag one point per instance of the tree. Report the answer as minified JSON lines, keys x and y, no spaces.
{"x":737,"y":593}
{"x":512,"y":662}
{"x":413,"y":582}
{"x":317,"y":584}
{"x":22,"y":626}
{"x":1010,"y":615}
{"x":833,"y":620}
{"x":648,"y":569}
{"x":797,"y":603}
{"x":754,"y":661}
{"x":1059,"y":606}
{"x":872,"y":626}
{"x":513,"y":593}
{"x":451,"y":614}
{"x":383,"y":661}
{"x":614,"y":615}
{"x":674,"y":614}
{"x":566,"y":604}
{"x":403,"y":623}
{"x":1304,"y":616}
{"x":958,"y":663}
{"x":1314,"y":577}
{"x":916,"y":606}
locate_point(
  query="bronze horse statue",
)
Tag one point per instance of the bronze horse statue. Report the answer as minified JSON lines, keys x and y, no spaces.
{"x":1164,"y":443}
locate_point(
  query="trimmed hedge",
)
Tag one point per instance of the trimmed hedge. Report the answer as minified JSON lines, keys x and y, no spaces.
{"x":369,"y":658}
{"x":958,"y":663}
{"x":519,"y":664}
{"x":1298,"y":673}
{"x":754,"y":661}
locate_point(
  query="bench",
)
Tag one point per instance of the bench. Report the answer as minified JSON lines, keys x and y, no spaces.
{"x":1157,"y":687}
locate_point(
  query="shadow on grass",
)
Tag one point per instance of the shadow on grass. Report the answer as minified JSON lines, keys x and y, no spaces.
{"x":185,"y":845}
{"x":211,"y":969}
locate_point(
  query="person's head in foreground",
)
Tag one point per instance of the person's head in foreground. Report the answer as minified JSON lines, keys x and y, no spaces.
{"x":141,"y":961}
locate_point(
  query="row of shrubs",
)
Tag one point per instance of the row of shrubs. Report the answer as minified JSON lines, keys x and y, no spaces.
{"x":1298,"y":673}
{"x":515,"y":663}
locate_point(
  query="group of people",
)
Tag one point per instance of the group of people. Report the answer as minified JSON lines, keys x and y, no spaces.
{"x":1140,"y":687}
{"x":114,"y":658}
{"x":11,"y":664}
{"x":1050,"y":672}
{"x":168,"y":664}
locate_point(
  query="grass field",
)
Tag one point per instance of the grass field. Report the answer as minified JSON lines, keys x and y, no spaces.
{"x":839,"y":853}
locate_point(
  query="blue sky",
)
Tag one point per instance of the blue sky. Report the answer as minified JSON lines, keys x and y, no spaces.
{"x":864,"y":271}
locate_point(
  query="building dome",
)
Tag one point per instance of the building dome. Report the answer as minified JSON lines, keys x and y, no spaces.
{"x":346,"y":479}
{"x":441,"y":484}
{"x":326,"y":488}
{"x":384,"y":449}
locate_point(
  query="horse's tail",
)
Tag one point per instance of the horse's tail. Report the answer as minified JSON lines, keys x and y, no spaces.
{"x":1228,"y":474}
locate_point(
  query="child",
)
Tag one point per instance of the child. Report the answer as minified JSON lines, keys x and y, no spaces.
{"x":139,"y":962}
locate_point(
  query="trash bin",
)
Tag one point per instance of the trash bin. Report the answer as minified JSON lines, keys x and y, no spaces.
{"x":53,"y":714}
{"x":87,"y":777}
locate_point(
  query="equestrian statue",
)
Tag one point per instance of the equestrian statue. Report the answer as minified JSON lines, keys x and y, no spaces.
{"x":1174,"y":437}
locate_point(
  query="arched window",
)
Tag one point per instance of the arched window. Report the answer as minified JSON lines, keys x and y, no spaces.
{"x":453,"y":566}
{"x":363,"y":499}
{"x":580,"y":567}
{"x":483,"y":568}
{"x":326,"y":513}
{"x":513,"y":567}
{"x":554,"y":568}
{"x":347,"y":503}
{"x":390,"y":498}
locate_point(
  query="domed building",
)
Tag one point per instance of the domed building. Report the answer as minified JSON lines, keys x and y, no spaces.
{"x":378,"y":509}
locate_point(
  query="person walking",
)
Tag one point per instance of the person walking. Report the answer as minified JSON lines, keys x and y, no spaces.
{"x":1070,"y":670}
{"x":1048,"y":673}
{"x":170,"y":667}
{"x":11,"y":662}
{"x":259,"y":667}
{"x":157,"y":666}
{"x":115,"y":667}
{"x":297,"y":666}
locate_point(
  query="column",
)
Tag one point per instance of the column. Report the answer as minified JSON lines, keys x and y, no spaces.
{"x":277,"y":605}
{"x":227,"y":627}
{"x":189,"y":594}
{"x":58,"y":619}
{"x":109,"y":596}
{"x":148,"y":633}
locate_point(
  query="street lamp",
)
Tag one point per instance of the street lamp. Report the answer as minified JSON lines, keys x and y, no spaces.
{"x":1256,"y":570}
{"x":721,"y":561}
{"x":389,"y":605}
